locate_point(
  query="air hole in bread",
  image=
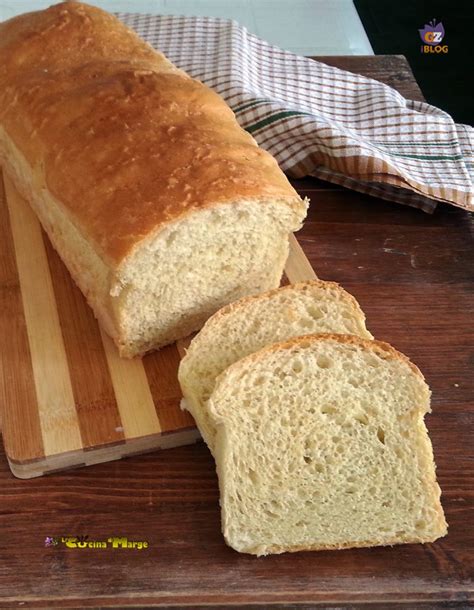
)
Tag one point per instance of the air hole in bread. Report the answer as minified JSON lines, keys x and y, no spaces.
{"x":170,"y":239}
{"x":309,"y":445}
{"x":253,"y":476}
{"x":315,"y":312}
{"x":362,"y":419}
{"x":328,"y":409}
{"x":371,"y":361}
{"x":323,"y":362}
{"x":297,"y":366}
{"x":353,"y":382}
{"x":381,"y":435}
{"x":369,"y":409}
{"x":305,"y":324}
{"x":242,"y":215}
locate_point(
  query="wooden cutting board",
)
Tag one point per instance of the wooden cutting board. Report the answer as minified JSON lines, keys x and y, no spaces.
{"x":66,"y":398}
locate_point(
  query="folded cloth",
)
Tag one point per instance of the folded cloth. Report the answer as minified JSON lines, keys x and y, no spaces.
{"x":321,"y":121}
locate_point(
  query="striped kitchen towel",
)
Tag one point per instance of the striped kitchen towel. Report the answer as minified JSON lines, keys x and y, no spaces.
{"x":321,"y":121}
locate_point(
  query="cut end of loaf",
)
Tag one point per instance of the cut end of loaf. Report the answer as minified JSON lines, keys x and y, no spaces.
{"x":321,"y":444}
{"x":174,"y":281}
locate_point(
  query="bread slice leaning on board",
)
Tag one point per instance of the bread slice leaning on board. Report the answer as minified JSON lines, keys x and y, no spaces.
{"x":251,"y":323}
{"x":160,"y":205}
{"x":321,"y":444}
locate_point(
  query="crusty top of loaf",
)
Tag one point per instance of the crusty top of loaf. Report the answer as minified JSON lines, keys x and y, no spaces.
{"x":121,"y":137}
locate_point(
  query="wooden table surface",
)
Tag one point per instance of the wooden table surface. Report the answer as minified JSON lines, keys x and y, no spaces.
{"x":413,"y":275}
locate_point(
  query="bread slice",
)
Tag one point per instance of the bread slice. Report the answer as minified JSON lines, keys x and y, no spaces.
{"x":161,"y":206}
{"x":321,"y":444}
{"x":246,"y":326}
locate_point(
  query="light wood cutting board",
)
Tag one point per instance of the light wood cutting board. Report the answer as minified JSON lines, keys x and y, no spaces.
{"x":66,"y":398}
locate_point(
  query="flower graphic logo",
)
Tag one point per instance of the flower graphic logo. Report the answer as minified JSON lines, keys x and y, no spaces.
{"x":432,"y":33}
{"x":50,"y":541}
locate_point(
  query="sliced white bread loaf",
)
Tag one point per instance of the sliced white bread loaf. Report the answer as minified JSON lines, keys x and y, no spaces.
{"x":321,"y":444}
{"x":249,"y":324}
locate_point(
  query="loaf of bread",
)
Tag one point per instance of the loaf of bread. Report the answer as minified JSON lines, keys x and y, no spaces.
{"x":160,"y":205}
{"x":251,"y":323}
{"x":321,"y":444}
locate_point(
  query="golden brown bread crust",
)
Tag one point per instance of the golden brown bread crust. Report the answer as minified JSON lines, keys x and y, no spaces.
{"x":123,"y":139}
{"x":380,"y":348}
{"x":305,"y":285}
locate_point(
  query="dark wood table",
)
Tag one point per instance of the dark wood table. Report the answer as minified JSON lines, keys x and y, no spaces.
{"x":413,"y":275}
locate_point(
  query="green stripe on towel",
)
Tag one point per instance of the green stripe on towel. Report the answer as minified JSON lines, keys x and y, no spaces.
{"x":275,"y":117}
{"x":251,"y":104}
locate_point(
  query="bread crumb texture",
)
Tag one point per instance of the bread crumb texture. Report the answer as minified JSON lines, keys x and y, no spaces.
{"x":321,"y":444}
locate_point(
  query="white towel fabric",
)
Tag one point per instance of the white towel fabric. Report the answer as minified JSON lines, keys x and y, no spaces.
{"x":321,"y":121}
